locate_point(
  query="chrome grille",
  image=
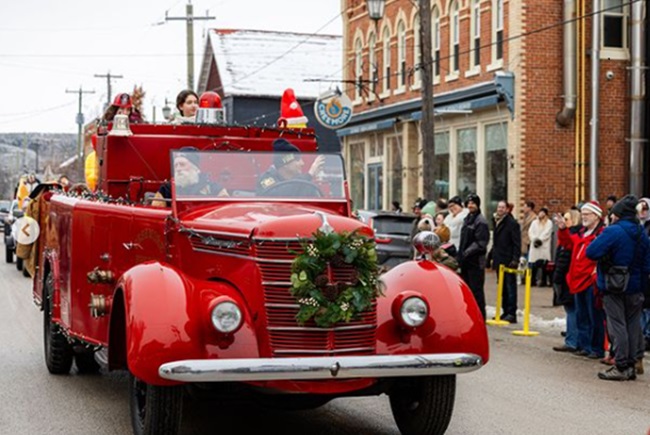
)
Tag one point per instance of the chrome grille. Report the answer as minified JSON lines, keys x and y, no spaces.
{"x":287,"y":338}
{"x":204,"y":242}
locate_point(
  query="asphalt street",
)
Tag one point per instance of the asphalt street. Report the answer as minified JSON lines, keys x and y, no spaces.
{"x":525,"y":389}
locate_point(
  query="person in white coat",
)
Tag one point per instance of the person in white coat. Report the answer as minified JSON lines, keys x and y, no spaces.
{"x":454,"y":220}
{"x":540,"y":233}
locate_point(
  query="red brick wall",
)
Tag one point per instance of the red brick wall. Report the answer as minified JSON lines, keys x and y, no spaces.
{"x":550,"y":161}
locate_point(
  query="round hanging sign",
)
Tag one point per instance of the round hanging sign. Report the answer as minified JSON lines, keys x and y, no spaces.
{"x":333,"y":109}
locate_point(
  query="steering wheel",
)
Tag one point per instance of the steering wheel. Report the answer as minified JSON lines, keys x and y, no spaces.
{"x":295,"y":188}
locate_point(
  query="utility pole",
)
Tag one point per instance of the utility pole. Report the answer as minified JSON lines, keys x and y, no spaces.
{"x":79,"y":120}
{"x":108,"y":76}
{"x":189,"y":20}
{"x":427,"y":123}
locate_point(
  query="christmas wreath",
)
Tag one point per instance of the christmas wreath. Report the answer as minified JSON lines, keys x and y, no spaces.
{"x":330,"y":302}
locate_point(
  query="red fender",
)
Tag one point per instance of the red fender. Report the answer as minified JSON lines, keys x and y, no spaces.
{"x":168,"y":319}
{"x":455,"y":323}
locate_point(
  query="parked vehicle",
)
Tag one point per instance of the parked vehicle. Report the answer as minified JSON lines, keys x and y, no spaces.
{"x":392,"y":234}
{"x":5,"y":206}
{"x":14,"y":213}
{"x":199,"y":294}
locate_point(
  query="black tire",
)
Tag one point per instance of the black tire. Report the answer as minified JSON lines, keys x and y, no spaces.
{"x":86,"y":364}
{"x":58,"y":351}
{"x":9,"y":254}
{"x":154,"y":410}
{"x":19,"y":263}
{"x":423,"y":406}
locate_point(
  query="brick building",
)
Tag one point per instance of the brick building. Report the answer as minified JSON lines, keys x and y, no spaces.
{"x":499,"y":86}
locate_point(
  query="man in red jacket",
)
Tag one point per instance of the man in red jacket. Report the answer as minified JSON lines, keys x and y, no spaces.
{"x":581,"y":279}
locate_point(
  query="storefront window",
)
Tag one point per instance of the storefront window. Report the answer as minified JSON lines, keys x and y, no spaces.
{"x":441,"y":166}
{"x":496,"y":183}
{"x":395,"y":169}
{"x":357,"y":178}
{"x":466,"y":142}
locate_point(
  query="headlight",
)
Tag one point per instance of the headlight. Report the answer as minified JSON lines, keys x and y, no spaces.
{"x":226,"y":317}
{"x":414,"y":311}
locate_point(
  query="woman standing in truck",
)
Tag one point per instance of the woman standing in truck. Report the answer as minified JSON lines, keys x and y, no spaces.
{"x":187,"y":103}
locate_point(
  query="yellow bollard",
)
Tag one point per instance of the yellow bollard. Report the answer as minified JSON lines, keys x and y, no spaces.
{"x":526,"y":331}
{"x":497,"y":317}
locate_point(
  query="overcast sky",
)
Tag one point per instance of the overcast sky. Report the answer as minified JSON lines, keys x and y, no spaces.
{"x":48,"y":47}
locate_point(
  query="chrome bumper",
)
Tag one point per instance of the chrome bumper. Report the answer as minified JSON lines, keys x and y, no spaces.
{"x":274,"y":369}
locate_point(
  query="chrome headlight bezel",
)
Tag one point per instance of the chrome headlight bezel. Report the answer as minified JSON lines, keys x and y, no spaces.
{"x":414,"y":311}
{"x":226,"y":317}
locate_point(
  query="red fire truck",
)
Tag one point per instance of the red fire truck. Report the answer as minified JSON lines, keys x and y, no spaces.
{"x":201,"y":290}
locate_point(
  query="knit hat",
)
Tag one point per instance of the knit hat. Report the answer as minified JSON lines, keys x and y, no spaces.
{"x":290,"y":110}
{"x":455,"y":200}
{"x":287,"y":152}
{"x":191,"y":154}
{"x":472,"y":197}
{"x":593,"y":207}
{"x":626,"y":207}
{"x":122,"y":100}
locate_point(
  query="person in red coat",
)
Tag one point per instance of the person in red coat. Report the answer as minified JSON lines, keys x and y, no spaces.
{"x":581,"y":279}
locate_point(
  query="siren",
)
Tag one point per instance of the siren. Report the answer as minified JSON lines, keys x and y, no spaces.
{"x":120,"y":126}
{"x":210,"y":110}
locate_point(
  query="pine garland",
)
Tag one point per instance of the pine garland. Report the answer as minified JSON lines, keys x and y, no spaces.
{"x":331,"y":302}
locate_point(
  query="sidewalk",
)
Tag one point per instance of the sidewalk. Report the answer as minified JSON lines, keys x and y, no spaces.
{"x":542,"y":311}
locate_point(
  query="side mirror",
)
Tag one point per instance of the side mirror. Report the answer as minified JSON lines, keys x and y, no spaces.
{"x":18,"y":214}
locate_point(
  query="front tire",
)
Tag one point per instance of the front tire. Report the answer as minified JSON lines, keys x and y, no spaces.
{"x":58,"y":352}
{"x":154,"y":410}
{"x":423,"y":406}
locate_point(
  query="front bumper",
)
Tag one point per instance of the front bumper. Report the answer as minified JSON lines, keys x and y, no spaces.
{"x":275,"y":369}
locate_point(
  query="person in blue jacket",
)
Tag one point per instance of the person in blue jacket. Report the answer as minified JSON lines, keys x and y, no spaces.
{"x":623,"y":243}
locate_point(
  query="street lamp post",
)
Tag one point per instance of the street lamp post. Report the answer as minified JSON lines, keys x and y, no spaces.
{"x":166,"y":110}
{"x":427,"y":126}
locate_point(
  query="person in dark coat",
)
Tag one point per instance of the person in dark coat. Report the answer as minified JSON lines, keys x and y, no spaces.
{"x":561,"y":293}
{"x":623,"y":243}
{"x":506,"y":250}
{"x":474,"y":238}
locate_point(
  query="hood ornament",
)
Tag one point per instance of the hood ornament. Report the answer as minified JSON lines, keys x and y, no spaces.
{"x":325,"y":227}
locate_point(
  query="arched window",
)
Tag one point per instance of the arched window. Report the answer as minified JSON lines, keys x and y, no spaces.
{"x":454,"y":36}
{"x":436,"y":42}
{"x":373,"y":70}
{"x":417,"y":52}
{"x":475,"y":35}
{"x":401,"y":54}
{"x":386,"y":51}
{"x":358,"y":68}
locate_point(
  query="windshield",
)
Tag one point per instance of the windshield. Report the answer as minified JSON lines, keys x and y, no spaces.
{"x":201,"y":175}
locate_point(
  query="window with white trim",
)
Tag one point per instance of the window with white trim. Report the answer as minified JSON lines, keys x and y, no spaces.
{"x":373,"y":69}
{"x":417,"y":53}
{"x":497,"y":52}
{"x":615,"y":24}
{"x":454,"y":33}
{"x":401,"y":55}
{"x":436,"y":42}
{"x":386,"y":71}
{"x":475,"y":36}
{"x":358,"y":68}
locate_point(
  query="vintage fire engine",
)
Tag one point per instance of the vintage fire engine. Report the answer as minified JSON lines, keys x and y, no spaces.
{"x":198,"y":292}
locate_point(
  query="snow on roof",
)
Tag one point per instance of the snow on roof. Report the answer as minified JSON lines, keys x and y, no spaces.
{"x":264,"y":63}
